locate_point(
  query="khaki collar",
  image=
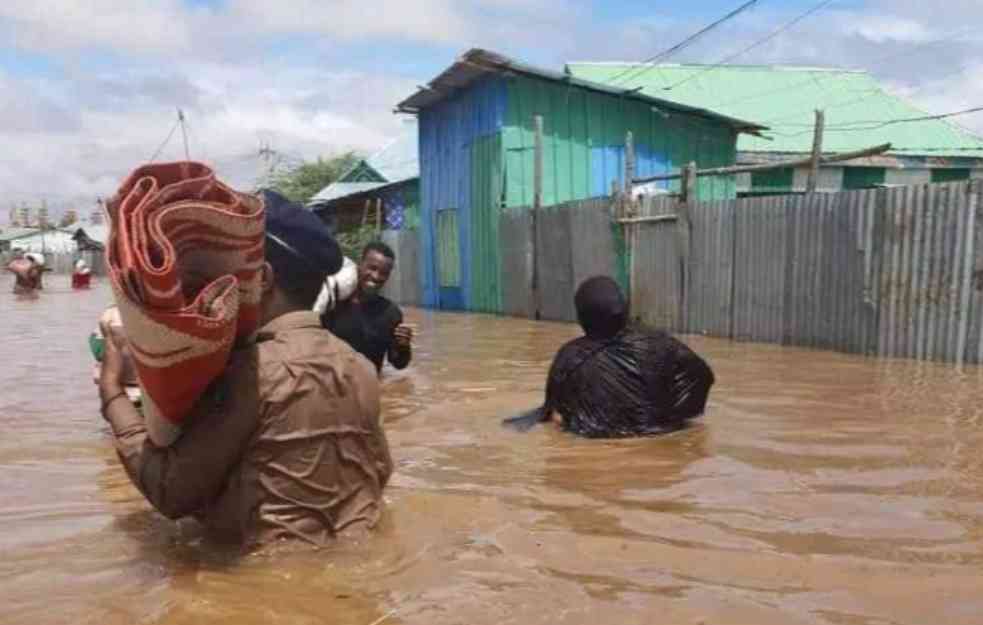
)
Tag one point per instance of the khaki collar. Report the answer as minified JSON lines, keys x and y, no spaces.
{"x":296,"y":320}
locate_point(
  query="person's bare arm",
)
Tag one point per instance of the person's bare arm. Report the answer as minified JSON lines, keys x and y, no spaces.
{"x":180,"y":479}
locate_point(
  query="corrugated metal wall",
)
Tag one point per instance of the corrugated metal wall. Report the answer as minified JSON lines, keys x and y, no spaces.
{"x":459,"y":153}
{"x":574,"y":243}
{"x":403,"y":286}
{"x":655,"y":265}
{"x":477,"y":157}
{"x":887,"y":272}
{"x":584,"y":139}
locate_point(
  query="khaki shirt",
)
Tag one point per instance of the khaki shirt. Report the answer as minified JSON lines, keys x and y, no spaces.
{"x":288,"y":444}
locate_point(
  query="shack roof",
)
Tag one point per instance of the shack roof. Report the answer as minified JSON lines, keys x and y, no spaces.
{"x":395,"y":162}
{"x":785,"y":98}
{"x":12,"y":234}
{"x":476,"y":64}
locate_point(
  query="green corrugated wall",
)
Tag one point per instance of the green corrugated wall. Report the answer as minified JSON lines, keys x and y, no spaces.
{"x":584,"y":135}
{"x":486,"y":192}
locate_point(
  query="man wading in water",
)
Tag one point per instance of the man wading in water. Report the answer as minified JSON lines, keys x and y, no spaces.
{"x":368,"y":321}
{"x":617,"y":380}
{"x":287,"y":444}
{"x":28,"y":270}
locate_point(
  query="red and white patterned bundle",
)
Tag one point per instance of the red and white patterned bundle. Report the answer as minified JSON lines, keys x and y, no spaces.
{"x":185,"y":259}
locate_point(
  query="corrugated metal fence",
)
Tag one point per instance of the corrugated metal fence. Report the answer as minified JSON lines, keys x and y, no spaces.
{"x":573,"y":242}
{"x":887,"y":272}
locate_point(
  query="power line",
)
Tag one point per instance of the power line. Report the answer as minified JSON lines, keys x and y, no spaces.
{"x":661,"y":56}
{"x":165,"y":141}
{"x":763,"y":40}
{"x":874,"y":124}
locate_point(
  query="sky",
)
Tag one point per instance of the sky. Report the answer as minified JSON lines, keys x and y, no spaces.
{"x":89,"y":89}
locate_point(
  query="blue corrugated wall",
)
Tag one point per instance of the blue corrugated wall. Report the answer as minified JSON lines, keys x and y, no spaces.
{"x":448,"y":134}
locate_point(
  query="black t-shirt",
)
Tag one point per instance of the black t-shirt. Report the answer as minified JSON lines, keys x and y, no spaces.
{"x":367,"y":326}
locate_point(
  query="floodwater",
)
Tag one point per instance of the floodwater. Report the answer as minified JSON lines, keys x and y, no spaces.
{"x":820,"y":488}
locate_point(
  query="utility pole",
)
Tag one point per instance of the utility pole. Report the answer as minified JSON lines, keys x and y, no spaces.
{"x":817,"y":152}
{"x":184,"y":133}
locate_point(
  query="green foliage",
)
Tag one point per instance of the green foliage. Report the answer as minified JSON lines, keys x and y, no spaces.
{"x":300,"y":183}
{"x":352,"y":241}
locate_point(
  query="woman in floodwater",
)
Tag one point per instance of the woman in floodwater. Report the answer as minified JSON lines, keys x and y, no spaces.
{"x":618,"y":380}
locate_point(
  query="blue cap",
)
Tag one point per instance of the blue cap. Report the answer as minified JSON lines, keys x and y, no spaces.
{"x":301,"y":235}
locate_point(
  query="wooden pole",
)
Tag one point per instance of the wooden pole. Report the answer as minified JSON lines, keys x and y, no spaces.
{"x":817,"y":152}
{"x":537,"y":203}
{"x":365,"y":213}
{"x":378,"y":216}
{"x":624,"y":209}
{"x":744,"y":169}
{"x":629,"y":168}
{"x":685,"y":206}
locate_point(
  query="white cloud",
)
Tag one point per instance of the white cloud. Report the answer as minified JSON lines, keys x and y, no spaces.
{"x":148,"y":26}
{"x":885,"y":28}
{"x":430,"y":21}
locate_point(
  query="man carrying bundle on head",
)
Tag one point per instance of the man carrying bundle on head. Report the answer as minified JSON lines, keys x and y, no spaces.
{"x":285,"y":441}
{"x":617,"y":380}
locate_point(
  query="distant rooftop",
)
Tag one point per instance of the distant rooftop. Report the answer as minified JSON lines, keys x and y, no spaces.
{"x":395,"y":162}
{"x":784,"y":98}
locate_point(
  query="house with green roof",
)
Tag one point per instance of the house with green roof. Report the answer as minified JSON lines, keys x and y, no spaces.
{"x":859,"y":113}
{"x":390,"y":177}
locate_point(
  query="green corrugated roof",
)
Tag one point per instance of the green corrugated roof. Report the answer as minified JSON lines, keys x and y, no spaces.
{"x":785,"y":98}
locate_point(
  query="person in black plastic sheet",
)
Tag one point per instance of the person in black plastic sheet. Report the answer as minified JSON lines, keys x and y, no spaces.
{"x":618,"y":380}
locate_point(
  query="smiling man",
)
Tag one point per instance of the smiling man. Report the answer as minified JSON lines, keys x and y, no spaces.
{"x":369,"y":322}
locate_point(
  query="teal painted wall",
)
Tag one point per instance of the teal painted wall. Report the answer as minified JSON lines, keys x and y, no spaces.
{"x":476,"y":156}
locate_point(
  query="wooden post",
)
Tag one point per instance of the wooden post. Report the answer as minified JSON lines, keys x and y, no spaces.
{"x":537,"y":203}
{"x":685,"y":207}
{"x":365,"y":212}
{"x":629,"y":167}
{"x":817,"y":152}
{"x":378,"y":216}
{"x":625,"y":209}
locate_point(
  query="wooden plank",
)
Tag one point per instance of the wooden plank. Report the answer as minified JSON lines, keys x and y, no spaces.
{"x":817,"y":152}
{"x":802,"y":162}
{"x":934,"y":266}
{"x":904,"y":271}
{"x":884,"y":240}
{"x":953,"y":256}
{"x":920,"y":203}
{"x":965,"y":255}
{"x":966,"y":285}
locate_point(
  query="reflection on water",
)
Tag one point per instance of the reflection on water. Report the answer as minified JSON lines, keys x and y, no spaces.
{"x":821,"y":488}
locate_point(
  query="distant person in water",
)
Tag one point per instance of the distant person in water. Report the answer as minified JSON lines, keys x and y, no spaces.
{"x":369,"y":322}
{"x":82,"y":276}
{"x":27,"y":270}
{"x":617,"y":380}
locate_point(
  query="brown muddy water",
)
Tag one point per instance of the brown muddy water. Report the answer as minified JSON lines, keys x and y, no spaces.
{"x":820,"y":488}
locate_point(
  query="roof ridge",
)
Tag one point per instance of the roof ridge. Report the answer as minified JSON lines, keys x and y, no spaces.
{"x":749,"y":66}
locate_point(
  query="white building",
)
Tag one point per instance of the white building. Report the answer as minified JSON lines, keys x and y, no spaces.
{"x":56,"y":241}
